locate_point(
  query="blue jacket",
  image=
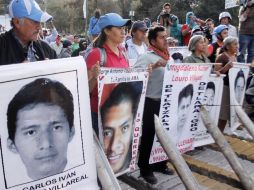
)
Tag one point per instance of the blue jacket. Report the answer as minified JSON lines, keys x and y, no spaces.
{"x":94,"y":28}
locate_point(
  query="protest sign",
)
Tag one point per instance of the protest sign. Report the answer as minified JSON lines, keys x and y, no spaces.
{"x":183,"y":92}
{"x":237,"y":82}
{"x":121,"y":103}
{"x":231,"y":3}
{"x":212,"y":102}
{"x":46,"y":133}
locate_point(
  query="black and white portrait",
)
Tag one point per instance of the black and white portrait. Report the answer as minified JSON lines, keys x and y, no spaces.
{"x":41,"y":133}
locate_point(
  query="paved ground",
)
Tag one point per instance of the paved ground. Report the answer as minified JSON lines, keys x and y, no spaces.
{"x":207,"y":158}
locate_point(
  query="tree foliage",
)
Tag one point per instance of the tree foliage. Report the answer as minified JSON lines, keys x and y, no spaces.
{"x":202,"y":8}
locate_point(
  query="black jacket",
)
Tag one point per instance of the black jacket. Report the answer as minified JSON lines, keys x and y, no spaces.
{"x":11,"y":51}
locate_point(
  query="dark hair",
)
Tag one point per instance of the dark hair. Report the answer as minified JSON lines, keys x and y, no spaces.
{"x":209,"y":19}
{"x":41,"y":90}
{"x":239,"y":75}
{"x":211,"y":85}
{"x":177,"y":55}
{"x":130,"y":91}
{"x":81,"y":45}
{"x":186,"y":91}
{"x":97,"y":13}
{"x":166,"y":4}
{"x":153,"y":33}
{"x":101,"y":39}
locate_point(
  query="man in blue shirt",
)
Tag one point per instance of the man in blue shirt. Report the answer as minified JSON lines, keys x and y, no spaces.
{"x":94,"y":29}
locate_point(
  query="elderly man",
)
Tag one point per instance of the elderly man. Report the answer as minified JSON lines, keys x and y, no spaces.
{"x":21,"y":43}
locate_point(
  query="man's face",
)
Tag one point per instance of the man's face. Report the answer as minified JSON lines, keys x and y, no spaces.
{"x":28,"y":30}
{"x":117,"y":132}
{"x":209,"y":98}
{"x":183,"y":109}
{"x":210,"y":25}
{"x":161,"y":41}
{"x":239,"y":88}
{"x":140,"y":35}
{"x":167,"y":9}
{"x":76,"y":40}
{"x":41,"y":139}
{"x":224,"y":21}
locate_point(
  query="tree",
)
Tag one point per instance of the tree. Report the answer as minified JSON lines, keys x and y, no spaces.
{"x":202,"y":8}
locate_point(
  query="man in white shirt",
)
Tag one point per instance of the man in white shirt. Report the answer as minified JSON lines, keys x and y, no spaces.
{"x":225,"y":18}
{"x":136,"y":46}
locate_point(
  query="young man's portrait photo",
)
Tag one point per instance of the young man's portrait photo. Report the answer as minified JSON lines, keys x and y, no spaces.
{"x":118,"y":108}
{"x":41,"y":130}
{"x":183,"y":110}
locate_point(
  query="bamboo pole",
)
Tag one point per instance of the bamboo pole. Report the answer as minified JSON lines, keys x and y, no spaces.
{"x":227,"y":151}
{"x":105,"y":173}
{"x":176,"y":158}
{"x":245,"y":119}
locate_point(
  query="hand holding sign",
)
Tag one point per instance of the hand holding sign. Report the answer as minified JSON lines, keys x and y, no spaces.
{"x":160,"y":63}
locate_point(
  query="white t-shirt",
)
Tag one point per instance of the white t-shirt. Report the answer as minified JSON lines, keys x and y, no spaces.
{"x":140,"y":49}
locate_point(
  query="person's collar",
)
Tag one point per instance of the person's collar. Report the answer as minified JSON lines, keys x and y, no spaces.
{"x":109,"y":50}
{"x":133,"y":41}
{"x":220,"y":43}
{"x":164,"y":54}
{"x":19,"y":41}
{"x":202,"y":57}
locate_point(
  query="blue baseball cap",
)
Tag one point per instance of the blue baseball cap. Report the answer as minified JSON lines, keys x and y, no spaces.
{"x":28,"y":9}
{"x":112,"y":19}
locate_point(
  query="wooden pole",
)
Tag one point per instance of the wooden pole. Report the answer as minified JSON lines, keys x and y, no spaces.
{"x":245,"y":119}
{"x":105,"y":173}
{"x":227,"y":151}
{"x":175,"y":157}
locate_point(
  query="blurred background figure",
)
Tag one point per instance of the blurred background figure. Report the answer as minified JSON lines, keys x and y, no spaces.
{"x":66,"y":51}
{"x":94,"y":28}
{"x":82,"y":47}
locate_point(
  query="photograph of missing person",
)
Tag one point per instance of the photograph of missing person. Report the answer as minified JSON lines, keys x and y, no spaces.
{"x":178,"y":57}
{"x":118,"y":109}
{"x":40,"y":124}
{"x":239,"y":87}
{"x":184,"y":105}
{"x":208,"y":100}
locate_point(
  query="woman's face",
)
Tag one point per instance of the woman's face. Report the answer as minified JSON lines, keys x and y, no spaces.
{"x":233,"y":47}
{"x":239,"y":88}
{"x":201,"y":45}
{"x":117,"y":134}
{"x":224,"y":34}
{"x":116,"y":34}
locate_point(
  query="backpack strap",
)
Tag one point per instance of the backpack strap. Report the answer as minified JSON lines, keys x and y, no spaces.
{"x":103,"y":56}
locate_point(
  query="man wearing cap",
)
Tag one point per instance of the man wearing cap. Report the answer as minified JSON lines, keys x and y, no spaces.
{"x":136,"y":46}
{"x":225,"y":18}
{"x":21,"y":43}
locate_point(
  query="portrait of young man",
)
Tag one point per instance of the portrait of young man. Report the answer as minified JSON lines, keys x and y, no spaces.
{"x":239,"y":86}
{"x":40,"y":121}
{"x":118,"y":108}
{"x":209,"y":96}
{"x":184,"y":104}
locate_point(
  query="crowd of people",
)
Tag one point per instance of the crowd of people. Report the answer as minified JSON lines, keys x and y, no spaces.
{"x":113,"y":42}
